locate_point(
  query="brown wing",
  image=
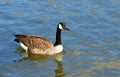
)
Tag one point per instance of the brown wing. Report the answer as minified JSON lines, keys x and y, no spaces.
{"x":32,"y":42}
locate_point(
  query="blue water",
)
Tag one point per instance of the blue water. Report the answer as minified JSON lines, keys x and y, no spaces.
{"x":91,"y":48}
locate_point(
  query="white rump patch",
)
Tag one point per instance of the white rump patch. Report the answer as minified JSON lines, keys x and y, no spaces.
{"x":58,"y":48}
{"x":60,"y":26}
{"x":23,"y":46}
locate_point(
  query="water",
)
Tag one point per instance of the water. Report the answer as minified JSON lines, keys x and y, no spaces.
{"x":91,"y":48}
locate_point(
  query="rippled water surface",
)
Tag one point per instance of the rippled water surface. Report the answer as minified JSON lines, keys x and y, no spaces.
{"x":91,"y":48}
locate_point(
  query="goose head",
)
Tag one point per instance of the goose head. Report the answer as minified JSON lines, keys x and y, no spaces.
{"x":62,"y":26}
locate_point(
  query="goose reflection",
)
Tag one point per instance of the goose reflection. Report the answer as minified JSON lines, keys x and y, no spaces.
{"x":35,"y":57}
{"x":59,"y":71}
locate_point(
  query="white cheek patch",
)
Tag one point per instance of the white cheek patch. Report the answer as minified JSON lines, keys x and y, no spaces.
{"x":60,"y":26}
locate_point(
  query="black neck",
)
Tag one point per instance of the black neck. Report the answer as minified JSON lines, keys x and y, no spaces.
{"x":58,"y":37}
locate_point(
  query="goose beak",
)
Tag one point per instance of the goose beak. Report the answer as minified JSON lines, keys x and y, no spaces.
{"x":67,"y":29}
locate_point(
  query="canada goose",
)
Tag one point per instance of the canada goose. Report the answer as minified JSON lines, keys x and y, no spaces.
{"x":41,"y":45}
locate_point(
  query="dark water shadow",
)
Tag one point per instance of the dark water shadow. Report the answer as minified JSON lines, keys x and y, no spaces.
{"x":40,"y":58}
